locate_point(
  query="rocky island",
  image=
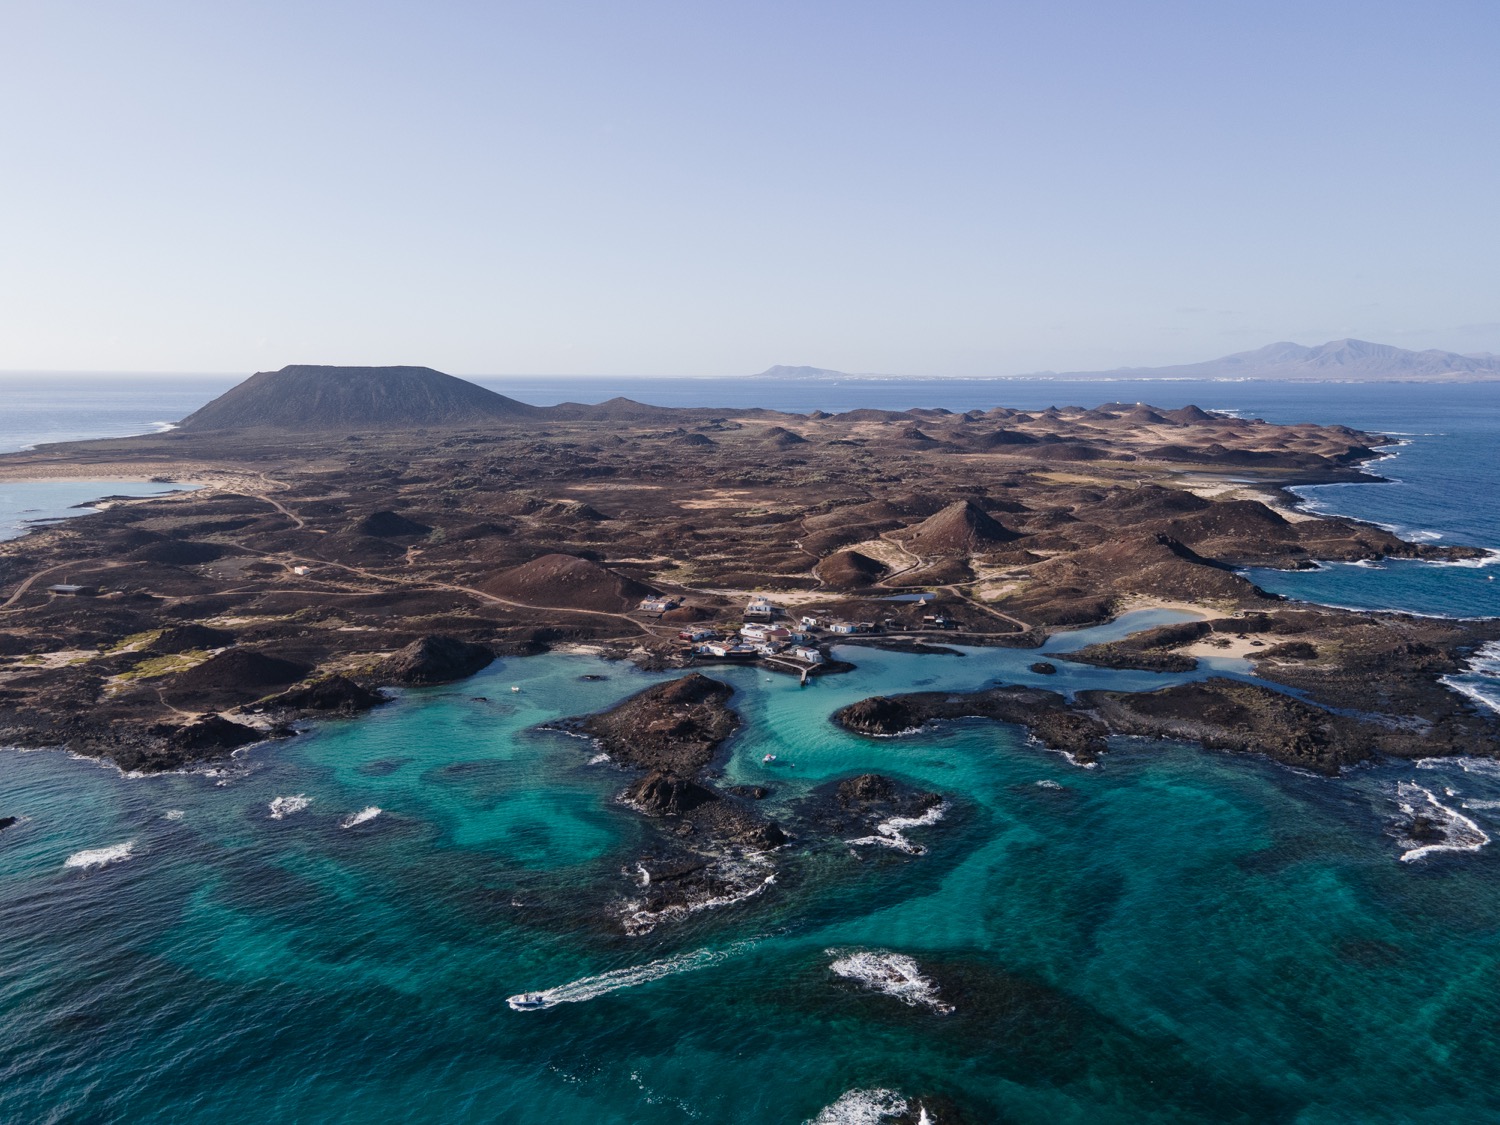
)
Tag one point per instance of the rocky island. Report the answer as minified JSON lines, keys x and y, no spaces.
{"x":349,"y":529}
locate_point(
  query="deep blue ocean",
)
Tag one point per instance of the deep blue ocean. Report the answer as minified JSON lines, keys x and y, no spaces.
{"x":328,"y":929}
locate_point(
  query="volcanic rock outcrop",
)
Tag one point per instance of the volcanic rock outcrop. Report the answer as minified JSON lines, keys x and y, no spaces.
{"x":1046,"y":714}
{"x":436,"y":660}
{"x":673,"y":731}
{"x":233,"y":677}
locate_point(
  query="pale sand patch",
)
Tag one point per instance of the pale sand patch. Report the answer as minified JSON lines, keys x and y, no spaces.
{"x":1237,"y":646}
{"x":1141,"y":601}
{"x":729,"y":498}
{"x":175,"y":472}
{"x":1205,"y":647}
{"x":883,"y":552}
{"x":1230,"y":490}
{"x":995,"y":591}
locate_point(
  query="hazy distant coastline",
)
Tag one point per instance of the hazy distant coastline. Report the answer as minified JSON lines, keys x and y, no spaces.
{"x":1338,"y":361}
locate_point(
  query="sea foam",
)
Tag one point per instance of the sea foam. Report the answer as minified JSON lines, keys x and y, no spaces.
{"x":1480,"y":681}
{"x":735,"y":877}
{"x":889,"y":833}
{"x":890,"y":974}
{"x":865,"y":1107}
{"x":1460,"y":834}
{"x":93,"y":858}
{"x":368,"y":813}
{"x":283,"y":807}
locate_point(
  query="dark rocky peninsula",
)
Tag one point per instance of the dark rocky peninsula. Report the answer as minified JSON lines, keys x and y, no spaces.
{"x":358,"y":528}
{"x":712,"y":844}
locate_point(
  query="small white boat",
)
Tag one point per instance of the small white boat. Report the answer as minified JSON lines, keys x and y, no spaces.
{"x":513,"y":687}
{"x":527,"y":1001}
{"x":768,"y":759}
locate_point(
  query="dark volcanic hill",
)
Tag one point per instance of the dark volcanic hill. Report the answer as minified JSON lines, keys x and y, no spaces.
{"x":568,"y":582}
{"x":310,"y":397}
{"x":313,"y":398}
{"x":962,"y":528}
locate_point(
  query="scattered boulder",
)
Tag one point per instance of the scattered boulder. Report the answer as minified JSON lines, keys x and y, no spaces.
{"x":1044,"y":668}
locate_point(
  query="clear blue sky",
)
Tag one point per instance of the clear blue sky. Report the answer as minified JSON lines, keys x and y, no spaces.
{"x":709,"y":188}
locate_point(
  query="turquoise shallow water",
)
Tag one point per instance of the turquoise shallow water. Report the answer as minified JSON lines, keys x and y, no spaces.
{"x":24,"y":504}
{"x":1174,"y":936}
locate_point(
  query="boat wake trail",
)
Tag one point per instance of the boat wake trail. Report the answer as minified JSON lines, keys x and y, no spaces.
{"x":588,"y":988}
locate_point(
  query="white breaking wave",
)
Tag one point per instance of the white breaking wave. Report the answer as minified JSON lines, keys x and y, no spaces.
{"x":891,"y":974}
{"x":740,"y":875}
{"x":1480,"y":681}
{"x":1485,"y":766}
{"x":283,"y":807}
{"x":865,"y":1107}
{"x":888,"y":833}
{"x":173,"y":814}
{"x":589,"y":988}
{"x":92,"y":858}
{"x":369,"y":813}
{"x":1460,"y":834}
{"x":1048,"y":783}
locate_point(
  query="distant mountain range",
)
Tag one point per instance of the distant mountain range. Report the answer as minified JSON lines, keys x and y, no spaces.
{"x":1355,"y":361}
{"x":782,"y":371}
{"x":1338,"y":360}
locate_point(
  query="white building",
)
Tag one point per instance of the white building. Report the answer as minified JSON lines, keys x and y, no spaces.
{"x":760,"y":607}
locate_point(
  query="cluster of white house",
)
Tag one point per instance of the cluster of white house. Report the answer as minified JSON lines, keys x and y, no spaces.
{"x":761,"y":635}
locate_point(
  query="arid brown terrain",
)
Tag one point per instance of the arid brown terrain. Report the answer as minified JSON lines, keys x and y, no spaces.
{"x":318,"y":560}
